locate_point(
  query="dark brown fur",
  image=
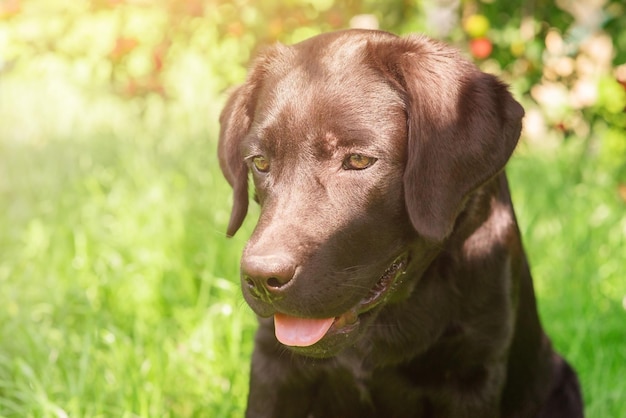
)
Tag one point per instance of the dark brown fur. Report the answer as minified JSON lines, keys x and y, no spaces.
{"x":459,"y":335}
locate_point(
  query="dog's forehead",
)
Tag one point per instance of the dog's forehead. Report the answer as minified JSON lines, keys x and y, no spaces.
{"x":307,"y":76}
{"x":330,"y":99}
{"x":334,"y":67}
{"x":325,"y":122}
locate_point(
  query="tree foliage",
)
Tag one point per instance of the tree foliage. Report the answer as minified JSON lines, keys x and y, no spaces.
{"x":565,"y":60}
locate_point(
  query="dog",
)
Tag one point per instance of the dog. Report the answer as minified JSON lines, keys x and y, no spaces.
{"x":386,"y":267}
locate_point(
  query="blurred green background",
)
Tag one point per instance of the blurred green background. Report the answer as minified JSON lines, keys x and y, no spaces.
{"x":119,"y":292}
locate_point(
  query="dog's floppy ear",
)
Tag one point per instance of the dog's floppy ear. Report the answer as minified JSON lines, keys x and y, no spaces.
{"x":463,"y":126}
{"x":235,"y":122}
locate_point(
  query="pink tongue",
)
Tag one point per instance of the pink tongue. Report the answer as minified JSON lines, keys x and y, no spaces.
{"x":300,"y":332}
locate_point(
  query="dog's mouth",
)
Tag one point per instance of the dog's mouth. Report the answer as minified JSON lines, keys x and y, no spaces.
{"x":304,"y":332}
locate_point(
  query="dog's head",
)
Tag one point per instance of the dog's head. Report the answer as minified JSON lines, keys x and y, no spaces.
{"x":363,"y":148}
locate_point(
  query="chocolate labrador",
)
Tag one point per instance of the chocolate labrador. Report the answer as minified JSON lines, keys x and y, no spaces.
{"x":386,"y":267}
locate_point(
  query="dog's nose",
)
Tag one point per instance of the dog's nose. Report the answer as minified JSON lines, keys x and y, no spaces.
{"x":266,"y":275}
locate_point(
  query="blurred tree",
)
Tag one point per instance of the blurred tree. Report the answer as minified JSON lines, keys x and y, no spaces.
{"x":566,"y":59}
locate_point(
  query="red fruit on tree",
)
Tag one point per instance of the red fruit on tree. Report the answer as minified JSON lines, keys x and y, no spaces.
{"x":481,"y":48}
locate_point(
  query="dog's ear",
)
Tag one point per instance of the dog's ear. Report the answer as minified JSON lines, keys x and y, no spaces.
{"x":235,"y":122}
{"x":463,"y":126}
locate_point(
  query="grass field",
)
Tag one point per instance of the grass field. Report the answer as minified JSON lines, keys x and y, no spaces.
{"x":120,"y":294}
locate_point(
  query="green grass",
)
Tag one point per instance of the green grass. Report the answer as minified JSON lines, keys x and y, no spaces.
{"x":120,"y":294}
{"x":119,"y":289}
{"x":574,"y":227}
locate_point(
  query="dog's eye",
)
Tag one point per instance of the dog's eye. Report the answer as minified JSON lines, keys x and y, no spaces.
{"x":261,"y":163}
{"x":358,"y":162}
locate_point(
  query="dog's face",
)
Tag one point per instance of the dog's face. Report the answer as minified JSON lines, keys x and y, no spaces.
{"x":352,"y":141}
{"x":327,"y":156}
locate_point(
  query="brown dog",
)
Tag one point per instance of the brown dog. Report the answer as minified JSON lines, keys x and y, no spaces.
{"x":386,"y":267}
